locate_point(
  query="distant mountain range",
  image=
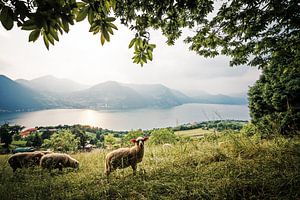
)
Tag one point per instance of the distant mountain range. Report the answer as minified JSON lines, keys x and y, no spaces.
{"x":50,"y":92}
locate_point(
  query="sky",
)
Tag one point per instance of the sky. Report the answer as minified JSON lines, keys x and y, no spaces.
{"x":80,"y":57}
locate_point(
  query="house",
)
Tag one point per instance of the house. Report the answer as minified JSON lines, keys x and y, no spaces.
{"x":27,"y":132}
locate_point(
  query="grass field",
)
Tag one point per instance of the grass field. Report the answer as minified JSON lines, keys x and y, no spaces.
{"x":196,"y":133}
{"x":218,"y":166}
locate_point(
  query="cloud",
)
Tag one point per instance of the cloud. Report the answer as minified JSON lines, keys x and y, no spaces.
{"x":4,"y":64}
{"x":79,"y":56}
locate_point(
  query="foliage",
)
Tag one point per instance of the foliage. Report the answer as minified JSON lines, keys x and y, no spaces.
{"x":219,"y":125}
{"x":81,"y":136}
{"x":63,"y":141}
{"x":34,"y":140}
{"x":99,"y":136}
{"x":5,"y":135}
{"x":131,"y":135}
{"x":232,"y":167}
{"x":249,"y":129}
{"x":161,"y":136}
{"x":249,"y":31}
{"x":109,"y":140}
{"x":274,"y":100}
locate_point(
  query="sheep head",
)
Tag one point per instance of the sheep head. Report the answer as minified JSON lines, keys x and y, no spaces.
{"x":139,"y":141}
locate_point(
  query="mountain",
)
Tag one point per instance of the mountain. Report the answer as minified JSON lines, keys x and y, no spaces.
{"x":219,"y":99}
{"x":108,"y":95}
{"x":50,"y":84}
{"x":159,"y":95}
{"x":52,"y":92}
{"x":114,"y":95}
{"x":15,"y":97}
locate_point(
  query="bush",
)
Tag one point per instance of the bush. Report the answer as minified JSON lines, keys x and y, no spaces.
{"x":249,"y":129}
{"x":62,"y":141}
{"x":162,"y":136}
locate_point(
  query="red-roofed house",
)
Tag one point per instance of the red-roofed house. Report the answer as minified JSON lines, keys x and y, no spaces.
{"x":27,"y":132}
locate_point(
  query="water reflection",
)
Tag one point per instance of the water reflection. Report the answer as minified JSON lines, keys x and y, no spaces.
{"x":130,"y":119}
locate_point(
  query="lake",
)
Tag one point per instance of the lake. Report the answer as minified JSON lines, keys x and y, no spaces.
{"x":129,"y":119}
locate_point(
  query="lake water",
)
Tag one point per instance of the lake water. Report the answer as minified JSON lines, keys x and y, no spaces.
{"x":129,"y":119}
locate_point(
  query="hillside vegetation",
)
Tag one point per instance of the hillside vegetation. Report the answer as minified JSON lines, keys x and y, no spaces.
{"x":226,"y":165}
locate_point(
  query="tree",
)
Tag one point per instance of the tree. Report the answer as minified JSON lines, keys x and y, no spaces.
{"x":49,"y":18}
{"x":62,"y":141}
{"x":274,"y":100}
{"x":162,"y":136}
{"x":109,"y":140}
{"x":34,"y":140}
{"x":132,"y":135}
{"x":82,"y":137}
{"x":99,"y":136}
{"x":5,"y":135}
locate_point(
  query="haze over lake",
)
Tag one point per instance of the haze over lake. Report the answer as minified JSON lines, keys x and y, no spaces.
{"x":129,"y":119}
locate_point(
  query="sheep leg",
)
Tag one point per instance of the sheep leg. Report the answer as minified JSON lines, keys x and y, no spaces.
{"x":134,"y":166}
{"x":60,"y":167}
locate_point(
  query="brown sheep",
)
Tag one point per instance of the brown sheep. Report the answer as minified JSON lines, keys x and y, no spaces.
{"x":58,"y":161}
{"x":125,"y":157}
{"x":26,"y":159}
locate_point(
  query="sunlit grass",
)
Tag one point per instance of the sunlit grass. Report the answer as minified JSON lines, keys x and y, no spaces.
{"x":229,"y":166}
{"x":199,"y":132}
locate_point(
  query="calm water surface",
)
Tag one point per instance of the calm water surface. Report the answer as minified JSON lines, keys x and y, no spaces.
{"x":129,"y":119}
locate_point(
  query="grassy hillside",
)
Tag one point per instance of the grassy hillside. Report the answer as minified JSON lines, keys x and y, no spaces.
{"x":219,"y":166}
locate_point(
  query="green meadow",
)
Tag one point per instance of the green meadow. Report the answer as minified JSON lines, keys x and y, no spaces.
{"x":224,"y":165}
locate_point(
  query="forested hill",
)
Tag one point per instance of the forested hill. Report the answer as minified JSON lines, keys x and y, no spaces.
{"x":52,"y":92}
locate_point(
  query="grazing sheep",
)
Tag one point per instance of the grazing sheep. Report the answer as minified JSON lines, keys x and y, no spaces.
{"x":26,"y":159}
{"x":58,"y":161}
{"x":125,"y":157}
{"x":45,"y":152}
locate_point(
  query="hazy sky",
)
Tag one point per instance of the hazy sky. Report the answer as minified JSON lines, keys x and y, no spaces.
{"x":79,"y":56}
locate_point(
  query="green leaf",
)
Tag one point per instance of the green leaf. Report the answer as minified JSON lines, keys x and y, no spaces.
{"x":106,"y":35}
{"x":34,"y":35}
{"x":110,"y":19}
{"x":112,"y":25}
{"x":29,"y":27}
{"x":6,"y":18}
{"x":65,"y":25}
{"x":53,"y":33}
{"x":50,"y":39}
{"x":150,"y":55}
{"x":141,"y":44}
{"x":46,"y":42}
{"x":82,"y":13}
{"x":110,"y":30}
{"x":102,"y":39}
{"x":80,"y":4}
{"x":113,"y":4}
{"x":91,"y":16}
{"x":132,"y":43}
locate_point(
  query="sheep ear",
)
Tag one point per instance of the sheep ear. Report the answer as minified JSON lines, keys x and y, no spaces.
{"x":145,"y":139}
{"x":133,"y":140}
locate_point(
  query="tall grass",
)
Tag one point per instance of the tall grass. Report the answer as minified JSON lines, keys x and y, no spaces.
{"x":220,"y":166}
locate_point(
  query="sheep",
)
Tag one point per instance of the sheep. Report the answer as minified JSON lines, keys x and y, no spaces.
{"x":26,"y":159}
{"x":125,"y":157}
{"x":58,"y":161}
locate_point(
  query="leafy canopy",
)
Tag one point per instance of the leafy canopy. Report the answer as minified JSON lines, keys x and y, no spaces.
{"x":251,"y":32}
{"x":51,"y":18}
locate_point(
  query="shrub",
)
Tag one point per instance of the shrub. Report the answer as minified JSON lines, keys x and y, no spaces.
{"x":162,"y":136}
{"x":62,"y":141}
